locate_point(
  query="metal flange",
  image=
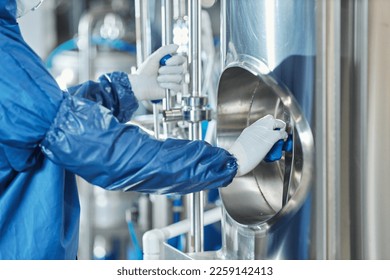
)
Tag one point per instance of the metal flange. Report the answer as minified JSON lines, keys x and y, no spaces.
{"x":195,"y":109}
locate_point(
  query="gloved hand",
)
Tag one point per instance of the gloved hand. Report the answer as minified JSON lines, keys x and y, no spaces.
{"x":255,"y":142}
{"x":150,"y":80}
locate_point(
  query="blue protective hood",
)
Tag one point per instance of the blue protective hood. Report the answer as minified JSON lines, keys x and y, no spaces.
{"x":8,"y":11}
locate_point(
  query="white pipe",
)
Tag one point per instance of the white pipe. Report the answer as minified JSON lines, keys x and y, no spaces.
{"x":153,"y":239}
{"x":151,"y":243}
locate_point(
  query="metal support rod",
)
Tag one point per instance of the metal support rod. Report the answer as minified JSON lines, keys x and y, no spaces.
{"x":86,"y":58}
{"x":166,"y":38}
{"x":143,"y":30}
{"x":156,"y":122}
{"x":179,"y":9}
{"x":223,"y":36}
{"x":144,"y":47}
{"x":194,"y":131}
{"x":195,"y":46}
{"x":85,"y":46}
{"x":333,"y":120}
{"x":196,"y":237}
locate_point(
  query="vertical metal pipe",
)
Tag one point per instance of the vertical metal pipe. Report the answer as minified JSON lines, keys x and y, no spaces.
{"x":166,"y":22}
{"x":377,"y":192}
{"x":361,"y":221}
{"x":328,"y":98}
{"x":195,"y":46}
{"x":223,"y":34}
{"x":195,"y":71}
{"x":333,"y":128}
{"x":144,"y":47}
{"x":166,"y":38}
{"x":353,"y":194}
{"x":156,"y":121}
{"x":319,"y":219}
{"x":143,"y":30}
{"x":194,"y":131}
{"x":85,"y":73}
{"x":179,"y":8}
{"x":84,"y":45}
{"x":78,"y":7}
{"x":346,"y":119}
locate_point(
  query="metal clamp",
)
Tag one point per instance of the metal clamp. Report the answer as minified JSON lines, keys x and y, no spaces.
{"x":195,"y":109}
{"x":172,"y":115}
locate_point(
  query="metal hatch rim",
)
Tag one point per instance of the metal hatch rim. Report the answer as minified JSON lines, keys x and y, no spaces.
{"x":259,"y":69}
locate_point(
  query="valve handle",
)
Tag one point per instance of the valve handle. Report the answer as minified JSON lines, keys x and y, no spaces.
{"x":163,"y":62}
{"x":277,"y":149}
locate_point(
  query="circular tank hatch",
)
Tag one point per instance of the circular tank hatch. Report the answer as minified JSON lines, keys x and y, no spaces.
{"x":246,"y":93}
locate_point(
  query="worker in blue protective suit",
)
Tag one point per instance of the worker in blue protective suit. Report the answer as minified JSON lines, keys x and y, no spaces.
{"x":47,"y":136}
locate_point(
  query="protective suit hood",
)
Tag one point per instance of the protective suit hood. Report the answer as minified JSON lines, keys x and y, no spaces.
{"x":7,"y":11}
{"x":10,"y":10}
{"x":25,"y":6}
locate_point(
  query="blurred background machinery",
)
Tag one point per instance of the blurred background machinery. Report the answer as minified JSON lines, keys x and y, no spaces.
{"x":319,"y":65}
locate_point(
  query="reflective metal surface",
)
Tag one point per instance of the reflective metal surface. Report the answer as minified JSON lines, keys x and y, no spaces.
{"x":270,"y":30}
{"x":254,"y":202}
{"x":377,"y":191}
{"x":352,"y":142}
{"x":258,"y":196}
{"x":268,"y":50}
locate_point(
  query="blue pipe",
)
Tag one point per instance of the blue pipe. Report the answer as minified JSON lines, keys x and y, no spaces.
{"x":71,"y":44}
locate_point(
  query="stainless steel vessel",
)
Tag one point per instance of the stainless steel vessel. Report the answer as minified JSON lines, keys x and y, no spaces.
{"x":352,"y":135}
{"x":268,"y":50}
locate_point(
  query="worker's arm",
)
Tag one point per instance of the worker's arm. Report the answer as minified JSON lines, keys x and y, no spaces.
{"x":88,"y":140}
{"x":85,"y":138}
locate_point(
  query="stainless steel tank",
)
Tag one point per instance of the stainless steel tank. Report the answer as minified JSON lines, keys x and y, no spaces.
{"x":268,"y":50}
{"x":352,"y":135}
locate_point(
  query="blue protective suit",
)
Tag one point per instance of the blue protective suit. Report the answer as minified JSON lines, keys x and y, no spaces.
{"x":47,"y":136}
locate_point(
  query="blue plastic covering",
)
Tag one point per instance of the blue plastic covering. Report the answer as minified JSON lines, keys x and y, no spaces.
{"x":47,"y":136}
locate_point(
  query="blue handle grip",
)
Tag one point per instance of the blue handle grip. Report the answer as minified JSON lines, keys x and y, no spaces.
{"x":277,"y":149}
{"x":276,"y":152}
{"x":288,"y":144}
{"x":163,"y":62}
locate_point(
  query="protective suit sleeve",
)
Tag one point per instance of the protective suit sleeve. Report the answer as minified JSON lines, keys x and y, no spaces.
{"x":87,"y":140}
{"x":113,"y":91}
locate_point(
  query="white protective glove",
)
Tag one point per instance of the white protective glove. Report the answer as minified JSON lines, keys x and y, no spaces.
{"x":150,"y":80}
{"x":256,"y":141}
